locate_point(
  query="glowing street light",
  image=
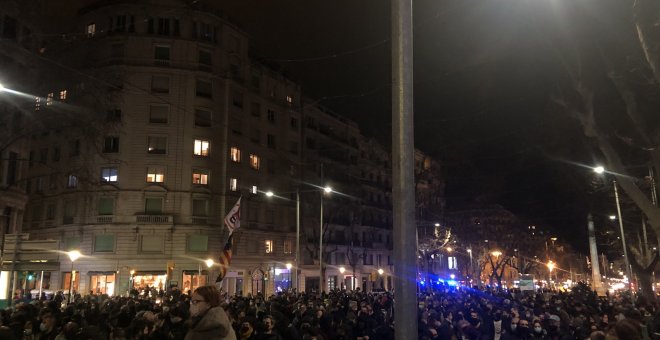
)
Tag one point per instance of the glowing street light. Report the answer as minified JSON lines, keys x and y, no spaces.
{"x":612,"y":217}
{"x":380,"y":271}
{"x":599,"y":169}
{"x":2,"y":87}
{"x":209,"y":263}
{"x":449,"y":249}
{"x":551,"y":266}
{"x":327,"y":190}
{"x":496,"y":253}
{"x":269,"y":194}
{"x":73,"y":256}
{"x":437,"y":224}
{"x":342,"y":270}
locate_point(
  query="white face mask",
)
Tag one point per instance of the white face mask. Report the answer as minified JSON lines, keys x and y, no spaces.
{"x":538,"y":329}
{"x":513,"y":327}
{"x":43,"y":327}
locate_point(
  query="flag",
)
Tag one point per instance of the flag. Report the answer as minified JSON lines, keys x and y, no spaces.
{"x":225,"y":259}
{"x":233,"y":218}
{"x":233,"y":222}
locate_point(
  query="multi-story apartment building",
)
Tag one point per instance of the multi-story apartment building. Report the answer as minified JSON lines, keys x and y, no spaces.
{"x":167,"y":122}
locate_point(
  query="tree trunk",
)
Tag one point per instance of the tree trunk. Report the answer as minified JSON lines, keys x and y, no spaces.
{"x":645,"y":281}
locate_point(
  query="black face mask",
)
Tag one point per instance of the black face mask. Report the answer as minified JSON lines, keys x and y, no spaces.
{"x":474,"y":321}
{"x":497,"y":317}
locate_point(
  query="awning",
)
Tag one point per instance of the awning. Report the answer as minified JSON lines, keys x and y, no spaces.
{"x":150,"y":272}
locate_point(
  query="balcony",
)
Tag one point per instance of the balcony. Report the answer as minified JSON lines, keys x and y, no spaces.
{"x":154,"y":219}
{"x":104,"y":219}
{"x":199,"y":220}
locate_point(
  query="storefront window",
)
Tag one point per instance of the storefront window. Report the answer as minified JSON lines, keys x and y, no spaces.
{"x":143,"y":281}
{"x":66,"y":281}
{"x":103,"y":284}
{"x":192,"y":280}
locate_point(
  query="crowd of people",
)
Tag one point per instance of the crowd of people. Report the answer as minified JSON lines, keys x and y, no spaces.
{"x":443,"y":313}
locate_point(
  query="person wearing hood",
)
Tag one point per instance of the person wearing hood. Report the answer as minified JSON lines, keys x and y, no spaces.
{"x":209,"y":321}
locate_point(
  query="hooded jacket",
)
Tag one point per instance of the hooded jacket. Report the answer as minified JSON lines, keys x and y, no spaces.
{"x":214,"y":325}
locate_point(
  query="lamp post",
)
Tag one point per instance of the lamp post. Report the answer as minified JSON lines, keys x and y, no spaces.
{"x":73,"y":256}
{"x":326,"y":190}
{"x":551,"y":266}
{"x":342,"y":270}
{"x":600,"y":170}
{"x":209,"y":263}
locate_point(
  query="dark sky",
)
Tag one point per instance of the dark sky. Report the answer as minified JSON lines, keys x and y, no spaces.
{"x":485,"y":76}
{"x":486,"y":73}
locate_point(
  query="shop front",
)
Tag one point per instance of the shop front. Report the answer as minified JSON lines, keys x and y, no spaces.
{"x":146,"y":280}
{"x":192,"y":279}
{"x":102,"y":282}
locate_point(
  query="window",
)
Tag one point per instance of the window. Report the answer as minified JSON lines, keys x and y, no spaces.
{"x":340,"y":258}
{"x":235,"y":125}
{"x":111,"y":144}
{"x":255,"y":136}
{"x":63,"y":95}
{"x":451,"y":262}
{"x":205,"y":60}
{"x":104,"y":243}
{"x":237,"y":99}
{"x":49,"y":99}
{"x":255,"y":162}
{"x":113,"y":115}
{"x":36,"y":212}
{"x":294,"y":123}
{"x":158,"y":114}
{"x":157,"y":145}
{"x":233,"y":184}
{"x":106,"y":206}
{"x":160,"y":84}
{"x":289,"y":100}
{"x":201,"y":148}
{"x":50,"y":211}
{"x":162,"y":55}
{"x":153,"y":206}
{"x":271,"y":116}
{"x":288,"y":247}
{"x":293,"y":147}
{"x":272,"y":166}
{"x":91,"y":29}
{"x":37,"y":103}
{"x":200,"y":207}
{"x":269,"y":246}
{"x":200,"y":176}
{"x":203,"y":118}
{"x":156,"y":174}
{"x":163,"y":26}
{"x":74,"y":148}
{"x":56,"y":154}
{"x":270,"y":141}
{"x":198,"y":243}
{"x":109,"y":174}
{"x":255,"y":109}
{"x":177,"y":27}
{"x":235,"y":154}
{"x":52,"y":181}
{"x":204,"y":89}
{"x":72,"y":181}
{"x":254,"y":190}
{"x":69,"y":212}
{"x":39,"y":185}
{"x":43,"y":156}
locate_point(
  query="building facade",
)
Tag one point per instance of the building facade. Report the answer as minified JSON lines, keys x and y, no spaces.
{"x":165,"y":122}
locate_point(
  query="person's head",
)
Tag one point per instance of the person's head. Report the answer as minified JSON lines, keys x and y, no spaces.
{"x":269,"y":323}
{"x":203,"y":299}
{"x":538,"y":329}
{"x":48,"y":321}
{"x":523,"y":326}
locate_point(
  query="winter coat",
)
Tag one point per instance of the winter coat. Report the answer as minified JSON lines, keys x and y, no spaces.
{"x":214,"y":325}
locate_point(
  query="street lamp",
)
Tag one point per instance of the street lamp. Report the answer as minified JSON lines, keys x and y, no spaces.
{"x":496,"y":253}
{"x":449,"y":249}
{"x":209,"y":263}
{"x":327,"y":190}
{"x":600,"y":170}
{"x":551,"y":266}
{"x":288,"y":267}
{"x":73,"y":256}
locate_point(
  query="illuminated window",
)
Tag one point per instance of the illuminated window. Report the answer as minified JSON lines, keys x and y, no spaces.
{"x":91,"y":30}
{"x":156,"y":174}
{"x":289,"y":100}
{"x":200,"y":176}
{"x":72,"y":181}
{"x":37,"y":103}
{"x":49,"y":99}
{"x":201,"y":148}
{"x":157,"y":145}
{"x":233,"y":184}
{"x":109,"y":174}
{"x":451,"y":262}
{"x":235,"y":154}
{"x":253,"y":190}
{"x":255,"y":162}
{"x":269,"y":246}
{"x":288,"y":247}
{"x":63,"y":95}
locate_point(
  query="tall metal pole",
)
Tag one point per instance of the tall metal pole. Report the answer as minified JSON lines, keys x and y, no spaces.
{"x":297,"y":267}
{"x":623,"y":236}
{"x":593,"y":251}
{"x":403,"y":192}
{"x":321,"y":278}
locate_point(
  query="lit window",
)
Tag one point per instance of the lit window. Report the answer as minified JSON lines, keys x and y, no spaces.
{"x":289,"y":99}
{"x":200,"y":176}
{"x":201,"y":148}
{"x":72,"y":181}
{"x":288,"y":247}
{"x":37,"y":103}
{"x":253,"y":190}
{"x":49,"y":99}
{"x":109,"y":174}
{"x":156,"y":174}
{"x":255,"y":162}
{"x":63,"y":95}
{"x":235,"y":154}
{"x":269,"y":246}
{"x":91,"y":30}
{"x":451,"y":262}
{"x":233,"y":184}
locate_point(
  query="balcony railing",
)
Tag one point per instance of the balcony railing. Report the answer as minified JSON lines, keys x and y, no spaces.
{"x":153,"y":219}
{"x":200,"y":220}
{"x":104,"y":219}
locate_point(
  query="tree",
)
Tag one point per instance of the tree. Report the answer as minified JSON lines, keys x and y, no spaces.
{"x":612,"y":91}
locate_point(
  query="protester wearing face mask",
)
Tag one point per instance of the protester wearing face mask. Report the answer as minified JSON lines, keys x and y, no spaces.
{"x":208,"y":319}
{"x":48,"y":328}
{"x":537,"y":331}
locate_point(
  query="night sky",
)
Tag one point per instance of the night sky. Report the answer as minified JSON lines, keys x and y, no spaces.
{"x":485,"y":76}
